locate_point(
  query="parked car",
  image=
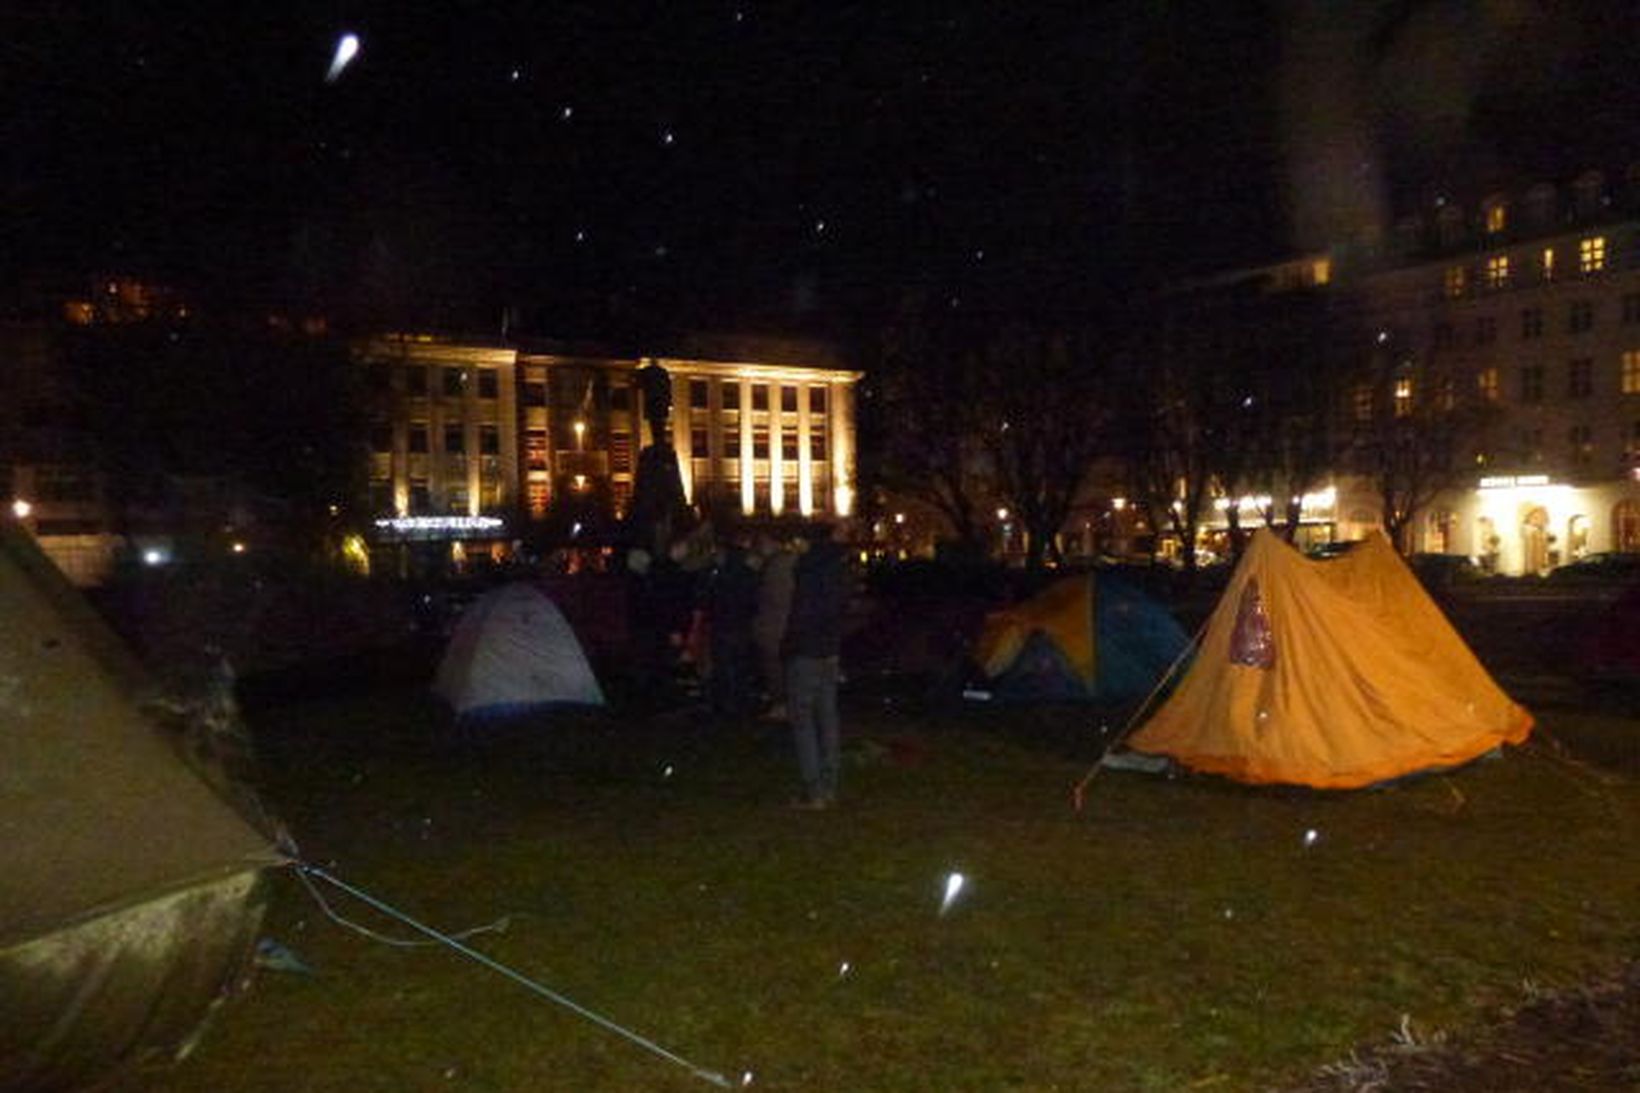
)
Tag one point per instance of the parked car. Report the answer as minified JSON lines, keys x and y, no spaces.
{"x":1443,"y":570}
{"x":1608,"y":566}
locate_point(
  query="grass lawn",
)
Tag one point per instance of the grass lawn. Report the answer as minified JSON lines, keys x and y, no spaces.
{"x":1175,"y":935}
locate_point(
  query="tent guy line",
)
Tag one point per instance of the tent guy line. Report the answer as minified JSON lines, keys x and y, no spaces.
{"x":307,"y":870}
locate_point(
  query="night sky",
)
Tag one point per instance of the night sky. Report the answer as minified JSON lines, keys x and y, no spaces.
{"x":766,"y":166}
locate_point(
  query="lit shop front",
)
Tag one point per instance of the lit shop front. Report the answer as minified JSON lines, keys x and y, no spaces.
{"x":425,"y":546}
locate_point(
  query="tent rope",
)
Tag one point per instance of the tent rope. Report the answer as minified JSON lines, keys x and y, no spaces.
{"x":1079,"y":793}
{"x":498,"y":926}
{"x":305,"y":870}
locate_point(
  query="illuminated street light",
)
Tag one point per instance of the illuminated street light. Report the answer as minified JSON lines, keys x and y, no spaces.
{"x":21,"y":509}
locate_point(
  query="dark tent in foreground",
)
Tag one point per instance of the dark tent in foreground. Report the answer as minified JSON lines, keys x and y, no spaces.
{"x":1089,"y":638}
{"x":129,"y":896}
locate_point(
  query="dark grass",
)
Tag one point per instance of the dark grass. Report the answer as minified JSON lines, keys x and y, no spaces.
{"x":1176,"y":934}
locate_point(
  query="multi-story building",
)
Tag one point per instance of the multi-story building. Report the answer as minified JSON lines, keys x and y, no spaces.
{"x":472,"y":441}
{"x":1525,"y":308}
{"x":1530,"y":302}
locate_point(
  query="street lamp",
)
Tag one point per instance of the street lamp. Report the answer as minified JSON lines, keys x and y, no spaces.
{"x":21,"y":509}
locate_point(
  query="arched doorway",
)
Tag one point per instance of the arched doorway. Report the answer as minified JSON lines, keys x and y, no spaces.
{"x":1577,"y":538}
{"x":1534,"y":541}
{"x":1487,"y":544}
{"x":1626,"y":526}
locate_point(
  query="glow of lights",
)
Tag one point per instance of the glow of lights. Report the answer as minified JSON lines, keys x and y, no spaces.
{"x":899,"y":517}
{"x":21,"y":509}
{"x":953,"y":888}
{"x":667,"y":771}
{"x":581,"y":237}
{"x":819,"y":227}
{"x":746,"y":1078}
{"x":153,"y":556}
{"x":580,"y":482}
{"x":667,"y":138}
{"x":1511,"y":481}
{"x":347,"y":48}
{"x":580,"y":428}
{"x":439,"y":523}
{"x":575,"y":529}
{"x":1383,"y":336}
{"x":1311,"y":837}
{"x":1002,"y":514}
{"x":1118,"y":503}
{"x":843,"y":969}
{"x":238,"y":548}
{"x":566,"y":113}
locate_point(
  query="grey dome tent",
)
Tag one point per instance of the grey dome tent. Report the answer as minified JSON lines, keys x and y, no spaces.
{"x":513,"y":651}
{"x":129,"y":895}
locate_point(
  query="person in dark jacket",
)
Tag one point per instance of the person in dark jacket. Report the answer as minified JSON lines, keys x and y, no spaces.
{"x":731,"y":607}
{"x":813,"y":638}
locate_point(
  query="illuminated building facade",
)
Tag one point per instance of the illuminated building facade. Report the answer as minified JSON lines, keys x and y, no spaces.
{"x":521,"y":432}
{"x":1529,"y":302}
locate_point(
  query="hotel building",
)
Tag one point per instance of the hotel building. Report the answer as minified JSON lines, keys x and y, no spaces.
{"x":472,"y":442}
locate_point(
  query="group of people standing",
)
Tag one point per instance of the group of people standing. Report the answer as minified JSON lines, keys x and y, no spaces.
{"x":773,"y":612}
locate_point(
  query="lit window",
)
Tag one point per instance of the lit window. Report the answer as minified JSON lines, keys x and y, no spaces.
{"x":1487,"y":383}
{"x":1591,"y":254}
{"x":1547,"y":263}
{"x":1631,"y":372}
{"x":1321,"y":271}
{"x":1403,"y":397}
{"x":1497,"y":218}
{"x":1497,"y":271}
{"x":1456,"y":276}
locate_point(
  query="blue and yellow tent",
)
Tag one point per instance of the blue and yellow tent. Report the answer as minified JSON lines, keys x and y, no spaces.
{"x":1089,"y":638}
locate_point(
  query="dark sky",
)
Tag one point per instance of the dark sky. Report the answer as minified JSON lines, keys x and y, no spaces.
{"x":788,"y":166}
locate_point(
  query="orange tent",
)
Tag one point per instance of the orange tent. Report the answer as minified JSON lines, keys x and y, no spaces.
{"x":1334,"y":674}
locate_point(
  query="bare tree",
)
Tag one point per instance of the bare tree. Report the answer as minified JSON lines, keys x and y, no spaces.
{"x":1048,"y":394}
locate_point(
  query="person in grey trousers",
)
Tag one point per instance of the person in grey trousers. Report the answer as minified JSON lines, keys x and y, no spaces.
{"x":813,"y":638}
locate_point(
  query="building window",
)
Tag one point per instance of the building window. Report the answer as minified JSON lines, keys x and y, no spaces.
{"x":1631,"y":445}
{"x":454,"y":381}
{"x":788,"y":400}
{"x":381,"y":438}
{"x":421,"y":498}
{"x":488,"y":385}
{"x":489,"y":440}
{"x":700,"y":395}
{"x":731,"y":444}
{"x":760,"y":442}
{"x":1444,"y":336}
{"x":1631,"y":307}
{"x":1456,"y":276}
{"x":620,"y":451}
{"x":1580,"y":378}
{"x":1591,"y":254}
{"x":1579,"y":316}
{"x":1446,"y":393}
{"x":698,"y":442}
{"x":1546,"y":263}
{"x":1361,"y":400}
{"x":760,"y":396}
{"x":415,"y":379}
{"x":1531,"y":323}
{"x":535,"y":393}
{"x":1582,"y":445}
{"x":1486,"y":330}
{"x":1531,"y":383}
{"x":535,"y":450}
{"x":1497,"y":271}
{"x":817,"y":445}
{"x":418,"y":438}
{"x":620,"y":397}
{"x":1486,"y":381}
{"x":1403,"y":397}
{"x":817,"y":401}
{"x":1497,"y":218}
{"x":1631,"y":372}
{"x":788,"y":446}
{"x":454,"y":442}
